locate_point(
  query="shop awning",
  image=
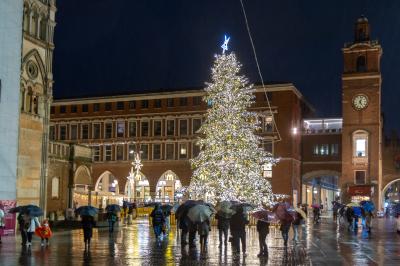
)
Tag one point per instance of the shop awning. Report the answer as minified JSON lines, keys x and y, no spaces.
{"x":359,"y":191}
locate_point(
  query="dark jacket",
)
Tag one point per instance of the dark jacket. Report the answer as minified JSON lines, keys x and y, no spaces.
{"x":262,"y":227}
{"x":298,"y":219}
{"x":158,"y":216}
{"x":223,"y":223}
{"x":88,"y":222}
{"x":238,"y":222}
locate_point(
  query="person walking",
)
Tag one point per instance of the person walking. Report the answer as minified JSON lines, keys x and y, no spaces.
{"x":295,"y":225}
{"x":349,"y":216}
{"x":87,"y":225}
{"x":112,"y":218}
{"x":158,"y":220}
{"x":22,"y":229}
{"x":317,"y":213}
{"x":285,"y":227}
{"x":368,"y":220}
{"x":238,"y":230}
{"x":167,"y":224}
{"x":2,"y":223}
{"x":31,"y":224}
{"x":263,"y":231}
{"x":44,"y":232}
{"x":223,"y":228}
{"x":203,"y":230}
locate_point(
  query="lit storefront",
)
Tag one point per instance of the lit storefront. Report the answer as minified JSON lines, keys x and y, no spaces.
{"x":166,"y":187}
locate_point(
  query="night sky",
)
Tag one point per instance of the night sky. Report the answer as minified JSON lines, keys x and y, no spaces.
{"x":108,"y":47}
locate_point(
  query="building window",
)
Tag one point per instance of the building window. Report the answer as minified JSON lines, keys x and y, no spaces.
{"x":145,"y":104}
{"x":361,"y":64}
{"x":62,"y":109}
{"x":96,"y":131}
{"x":268,"y":146}
{"x":74,"y":108}
{"x":170,"y":102}
{"x":156,"y":151}
{"x":360,"y":144}
{"x":107,"y":106}
{"x":183,"y":101}
{"x":74,"y":132}
{"x":324,"y":149}
{"x":132,"y":105}
{"x":170,"y":127}
{"x":157,"y":128}
{"x":96,"y":153}
{"x":144,"y":129}
{"x":315,"y":149}
{"x":63,"y":132}
{"x":131,"y":152}
{"x":96,"y":107}
{"x":183,"y":151}
{"x":157,"y":103}
{"x":108,"y":131}
{"x":85,"y":131}
{"x":144,"y":148}
{"x":269,"y":123}
{"x":196,"y":124}
{"x":120,"y":152}
{"x":132,"y":129}
{"x":183,"y":127}
{"x":85,"y":108}
{"x":52,"y":133}
{"x":107,"y":152}
{"x":360,"y":177}
{"x":197,"y":100}
{"x":170,"y":151}
{"x":334,"y":149}
{"x":120,"y":129}
{"x":55,"y":187}
{"x":120,"y":106}
{"x":52,"y":110}
{"x":195,"y":150}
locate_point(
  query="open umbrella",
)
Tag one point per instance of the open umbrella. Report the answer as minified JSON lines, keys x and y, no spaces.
{"x":184,"y":207}
{"x":224,"y":209}
{"x":353,"y":204}
{"x":301,"y":212}
{"x":31,"y":210}
{"x":87,"y":211}
{"x":113,"y":208}
{"x":264,"y":215}
{"x":315,"y":205}
{"x":15,"y":209}
{"x":282,"y":213}
{"x":244,"y":205}
{"x":199,"y":213}
{"x":367,"y":205}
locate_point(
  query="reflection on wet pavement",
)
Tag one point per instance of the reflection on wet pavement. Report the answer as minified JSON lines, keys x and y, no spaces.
{"x":324,"y":244}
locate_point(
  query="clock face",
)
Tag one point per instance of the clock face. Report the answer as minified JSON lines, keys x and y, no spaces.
{"x":360,"y":101}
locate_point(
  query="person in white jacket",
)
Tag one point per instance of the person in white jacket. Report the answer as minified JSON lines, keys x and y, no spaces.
{"x":31,"y":224}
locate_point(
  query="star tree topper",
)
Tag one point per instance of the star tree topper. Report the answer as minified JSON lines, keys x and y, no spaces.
{"x":224,"y":46}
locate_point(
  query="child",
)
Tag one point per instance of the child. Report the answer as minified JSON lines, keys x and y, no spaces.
{"x":263,"y":231}
{"x":203,"y":230}
{"x":44,"y":232}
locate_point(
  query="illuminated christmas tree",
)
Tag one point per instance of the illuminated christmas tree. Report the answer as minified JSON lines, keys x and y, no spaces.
{"x":231,"y":159}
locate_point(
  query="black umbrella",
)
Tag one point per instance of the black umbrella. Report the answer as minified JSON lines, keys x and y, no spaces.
{"x":184,"y":207}
{"x":31,"y":210}
{"x":87,"y":211}
{"x":15,"y":209}
{"x":113,"y":208}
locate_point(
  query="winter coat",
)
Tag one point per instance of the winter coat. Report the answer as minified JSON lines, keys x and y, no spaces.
{"x":112,"y":217}
{"x":158,"y":216}
{"x":203,"y":228}
{"x":223,"y":223}
{"x":298,"y":219}
{"x":262,"y":227}
{"x":238,"y":222}
{"x":33,"y":223}
{"x":88,"y":222}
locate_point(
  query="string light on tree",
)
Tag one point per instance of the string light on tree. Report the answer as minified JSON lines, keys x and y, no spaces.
{"x":230,"y":163}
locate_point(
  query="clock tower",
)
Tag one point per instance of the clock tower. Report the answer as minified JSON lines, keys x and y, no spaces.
{"x":362,"y":122}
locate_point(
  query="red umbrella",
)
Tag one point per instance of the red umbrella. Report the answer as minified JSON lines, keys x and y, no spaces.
{"x":264,"y":215}
{"x":282,"y":213}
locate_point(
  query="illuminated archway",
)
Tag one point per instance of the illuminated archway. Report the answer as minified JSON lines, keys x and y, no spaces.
{"x":391,"y":194}
{"x":167,"y":184}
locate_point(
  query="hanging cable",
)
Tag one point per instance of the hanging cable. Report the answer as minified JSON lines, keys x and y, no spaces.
{"x":259,"y":72}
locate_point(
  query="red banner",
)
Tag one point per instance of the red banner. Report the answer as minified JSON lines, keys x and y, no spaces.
{"x":9,"y":218}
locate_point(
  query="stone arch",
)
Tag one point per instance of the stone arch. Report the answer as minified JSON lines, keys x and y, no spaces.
{"x":42,"y":69}
{"x":82,"y":176}
{"x":141,"y":188}
{"x":394,"y":179}
{"x":166,"y":186}
{"x":105,"y":176}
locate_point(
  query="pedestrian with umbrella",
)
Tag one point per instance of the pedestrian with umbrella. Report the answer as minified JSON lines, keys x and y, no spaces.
{"x":87,"y":214}
{"x":285,"y":218}
{"x":263,"y":219}
{"x":2,"y":223}
{"x":223,"y":216}
{"x":183,"y":220}
{"x":298,"y":219}
{"x":31,"y":223}
{"x":158,"y":220}
{"x":238,"y":230}
{"x":112,"y":211}
{"x":166,"y":208}
{"x":199,"y":216}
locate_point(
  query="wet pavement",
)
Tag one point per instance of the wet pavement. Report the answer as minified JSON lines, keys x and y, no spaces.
{"x":323,"y":244}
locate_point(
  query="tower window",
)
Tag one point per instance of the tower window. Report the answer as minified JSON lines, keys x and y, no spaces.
{"x":361,"y":64}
